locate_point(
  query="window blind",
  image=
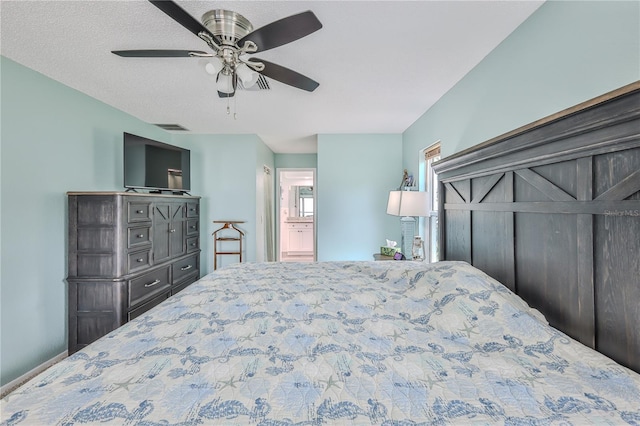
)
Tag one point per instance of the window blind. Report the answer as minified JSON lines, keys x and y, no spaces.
{"x":432,"y":152}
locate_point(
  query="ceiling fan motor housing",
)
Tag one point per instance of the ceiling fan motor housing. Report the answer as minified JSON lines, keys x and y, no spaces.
{"x":229,"y":26}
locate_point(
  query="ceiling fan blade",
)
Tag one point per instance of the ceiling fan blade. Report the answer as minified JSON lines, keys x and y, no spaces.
{"x":179,"y":15}
{"x":287,"y":76}
{"x":283,"y":31}
{"x":159,"y":53}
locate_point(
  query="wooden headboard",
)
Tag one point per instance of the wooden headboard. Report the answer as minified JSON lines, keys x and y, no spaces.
{"x":552,"y":210}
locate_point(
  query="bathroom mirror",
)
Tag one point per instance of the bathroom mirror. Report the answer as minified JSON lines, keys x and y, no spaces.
{"x":301,"y":201}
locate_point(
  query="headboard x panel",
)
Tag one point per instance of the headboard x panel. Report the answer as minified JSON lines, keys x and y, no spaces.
{"x":552,"y":210}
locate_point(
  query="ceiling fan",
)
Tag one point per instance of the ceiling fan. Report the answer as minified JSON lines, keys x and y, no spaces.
{"x":231,"y":36}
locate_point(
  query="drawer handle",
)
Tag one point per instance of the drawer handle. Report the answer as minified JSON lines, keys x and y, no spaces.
{"x":139,"y":211}
{"x":140,"y":260}
{"x":193,"y":227}
{"x":186,"y":268}
{"x":140,"y":235}
{"x":156,"y":282}
{"x":193,"y":244}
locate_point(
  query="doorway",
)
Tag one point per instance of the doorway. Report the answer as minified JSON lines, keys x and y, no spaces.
{"x":296,"y":215}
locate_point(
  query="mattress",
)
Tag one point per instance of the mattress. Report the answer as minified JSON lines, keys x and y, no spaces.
{"x":371,"y":343}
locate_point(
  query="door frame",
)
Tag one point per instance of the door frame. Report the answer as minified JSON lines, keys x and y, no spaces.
{"x":278,"y":231}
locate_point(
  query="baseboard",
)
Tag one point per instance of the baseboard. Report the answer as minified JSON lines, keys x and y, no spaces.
{"x":14,"y":384}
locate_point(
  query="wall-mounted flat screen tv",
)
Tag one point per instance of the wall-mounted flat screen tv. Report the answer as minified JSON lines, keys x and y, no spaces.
{"x":155,"y":166}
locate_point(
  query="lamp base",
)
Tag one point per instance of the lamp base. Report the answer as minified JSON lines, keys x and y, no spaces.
{"x":408,"y":226}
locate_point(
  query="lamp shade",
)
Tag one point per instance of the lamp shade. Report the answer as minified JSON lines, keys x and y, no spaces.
{"x":246,"y":75}
{"x":408,"y":203}
{"x":225,"y":83}
{"x":213,"y":66}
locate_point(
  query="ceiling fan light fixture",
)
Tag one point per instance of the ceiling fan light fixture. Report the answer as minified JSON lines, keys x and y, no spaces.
{"x":224,"y":83}
{"x":248,"y":76}
{"x":214,"y":66}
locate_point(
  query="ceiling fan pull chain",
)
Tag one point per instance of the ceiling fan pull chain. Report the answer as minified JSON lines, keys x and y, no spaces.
{"x":235,"y":106}
{"x":228,"y":98}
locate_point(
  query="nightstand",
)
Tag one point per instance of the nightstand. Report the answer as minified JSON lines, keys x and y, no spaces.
{"x":378,"y":256}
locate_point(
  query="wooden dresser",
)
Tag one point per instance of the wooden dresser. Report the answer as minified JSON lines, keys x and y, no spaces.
{"x":127,"y":252}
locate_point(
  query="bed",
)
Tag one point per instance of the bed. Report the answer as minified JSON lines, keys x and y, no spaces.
{"x":389,"y":343}
{"x":552,"y":210}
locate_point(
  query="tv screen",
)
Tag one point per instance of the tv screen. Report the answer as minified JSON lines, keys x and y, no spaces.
{"x":154,"y":165}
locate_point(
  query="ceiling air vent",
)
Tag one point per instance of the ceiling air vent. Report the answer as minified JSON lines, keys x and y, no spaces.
{"x":261,"y":84}
{"x":171,"y":127}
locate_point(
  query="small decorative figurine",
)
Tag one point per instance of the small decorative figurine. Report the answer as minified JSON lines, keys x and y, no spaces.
{"x":407,"y":178}
{"x":417,"y":251}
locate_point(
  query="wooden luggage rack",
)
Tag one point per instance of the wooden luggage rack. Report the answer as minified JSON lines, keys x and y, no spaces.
{"x":219,"y":238}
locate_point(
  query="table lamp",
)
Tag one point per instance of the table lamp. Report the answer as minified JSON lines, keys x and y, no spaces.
{"x":408,"y":205}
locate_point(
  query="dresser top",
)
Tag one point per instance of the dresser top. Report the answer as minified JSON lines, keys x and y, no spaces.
{"x":130,"y":194}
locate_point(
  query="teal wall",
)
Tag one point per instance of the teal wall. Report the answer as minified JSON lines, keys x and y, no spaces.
{"x":567,"y":52}
{"x":225,"y":168}
{"x":355,"y":175}
{"x":296,"y":161}
{"x":54,"y":139}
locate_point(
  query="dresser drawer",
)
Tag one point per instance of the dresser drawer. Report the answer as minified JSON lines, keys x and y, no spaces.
{"x":138,"y":211}
{"x":148,"y":285}
{"x":186,"y":282}
{"x":192,"y":244}
{"x":139,"y":260}
{"x":138,"y":236}
{"x":192,"y":210}
{"x":184,"y":267}
{"x":150,"y":304}
{"x":192,"y":227}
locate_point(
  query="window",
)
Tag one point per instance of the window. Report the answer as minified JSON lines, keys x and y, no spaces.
{"x":431,"y":155}
{"x":306,"y":207}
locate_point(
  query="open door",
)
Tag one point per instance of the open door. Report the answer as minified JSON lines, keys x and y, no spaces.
{"x":296,"y":215}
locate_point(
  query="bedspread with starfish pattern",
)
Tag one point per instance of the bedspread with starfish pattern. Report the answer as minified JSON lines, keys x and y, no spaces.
{"x":372,"y":343}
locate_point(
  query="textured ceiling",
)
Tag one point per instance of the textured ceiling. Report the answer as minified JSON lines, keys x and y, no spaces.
{"x":380,"y":64}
